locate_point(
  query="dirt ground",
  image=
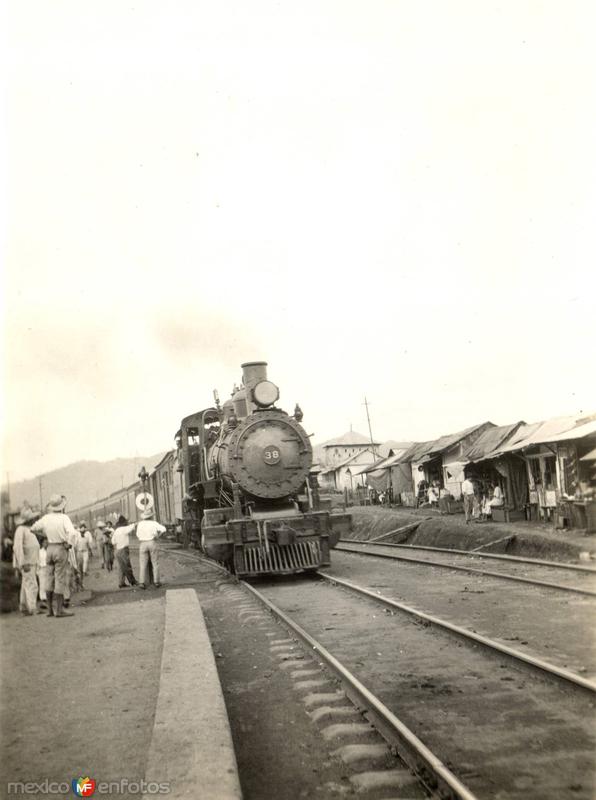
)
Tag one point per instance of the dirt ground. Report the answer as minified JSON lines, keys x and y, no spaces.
{"x":529,"y":538}
{"x":78,"y":694}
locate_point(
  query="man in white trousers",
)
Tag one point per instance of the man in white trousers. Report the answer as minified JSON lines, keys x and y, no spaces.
{"x":148,"y":531}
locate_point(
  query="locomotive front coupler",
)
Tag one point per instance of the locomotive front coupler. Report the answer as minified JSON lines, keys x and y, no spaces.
{"x":281,"y":534}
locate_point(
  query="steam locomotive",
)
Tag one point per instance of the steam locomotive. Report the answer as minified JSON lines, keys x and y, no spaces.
{"x":247,"y":484}
{"x":238,"y":486}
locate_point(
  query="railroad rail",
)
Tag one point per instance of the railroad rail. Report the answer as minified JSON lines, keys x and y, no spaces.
{"x":498,"y":556}
{"x":347,"y":548}
{"x":430,"y":770}
{"x":537,"y":663}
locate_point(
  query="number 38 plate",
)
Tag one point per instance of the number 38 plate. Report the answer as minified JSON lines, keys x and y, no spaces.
{"x":271,"y":454}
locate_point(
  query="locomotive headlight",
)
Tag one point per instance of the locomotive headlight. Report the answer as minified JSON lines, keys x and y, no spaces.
{"x":265,"y":393}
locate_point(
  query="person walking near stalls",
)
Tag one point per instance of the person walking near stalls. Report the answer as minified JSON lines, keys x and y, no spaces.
{"x":42,"y":576}
{"x":26,"y":559}
{"x":121,"y":543}
{"x":467,"y":490}
{"x":74,"y":582}
{"x":83,"y":550}
{"x":108,"y":547}
{"x":148,"y":531}
{"x":100,"y":527}
{"x":56,"y":526}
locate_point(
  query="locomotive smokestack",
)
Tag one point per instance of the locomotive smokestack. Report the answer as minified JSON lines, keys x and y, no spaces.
{"x":254,"y":372}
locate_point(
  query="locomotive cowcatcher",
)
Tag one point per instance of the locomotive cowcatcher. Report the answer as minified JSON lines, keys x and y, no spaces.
{"x":248,"y":495}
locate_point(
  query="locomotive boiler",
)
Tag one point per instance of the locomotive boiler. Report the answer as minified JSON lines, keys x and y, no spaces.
{"x":248,"y":495}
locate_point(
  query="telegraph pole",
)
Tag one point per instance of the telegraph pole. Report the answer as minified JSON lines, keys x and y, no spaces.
{"x":374,"y":449}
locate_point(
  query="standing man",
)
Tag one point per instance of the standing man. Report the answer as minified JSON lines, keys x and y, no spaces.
{"x":148,"y":531}
{"x":83,"y":550}
{"x":26,"y":558}
{"x":56,"y":526}
{"x":467,"y":490}
{"x":99,"y":531}
{"x":121,"y":542}
{"x":108,"y":548}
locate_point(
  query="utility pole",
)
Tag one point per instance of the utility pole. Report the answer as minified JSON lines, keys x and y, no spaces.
{"x":374,"y":449}
{"x":40,"y":496}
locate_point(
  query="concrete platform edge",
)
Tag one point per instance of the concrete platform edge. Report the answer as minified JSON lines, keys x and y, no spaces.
{"x":191,"y":745}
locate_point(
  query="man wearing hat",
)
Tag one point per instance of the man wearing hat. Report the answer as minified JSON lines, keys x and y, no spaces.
{"x":84,"y":549}
{"x":148,"y":530}
{"x":100,"y":527}
{"x":26,"y":558}
{"x":57,"y":528}
{"x":121,"y":543}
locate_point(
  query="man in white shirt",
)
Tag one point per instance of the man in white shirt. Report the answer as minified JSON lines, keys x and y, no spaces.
{"x":121,"y":542}
{"x":467,"y":490}
{"x":57,"y":528}
{"x":148,"y":530}
{"x":84,"y":549}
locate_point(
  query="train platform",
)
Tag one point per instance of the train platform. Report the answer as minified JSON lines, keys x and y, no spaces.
{"x":124,"y":692}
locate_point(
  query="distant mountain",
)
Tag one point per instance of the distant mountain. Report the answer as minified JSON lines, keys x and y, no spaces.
{"x":82,"y":482}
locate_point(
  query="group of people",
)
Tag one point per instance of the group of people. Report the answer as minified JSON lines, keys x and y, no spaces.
{"x":480,"y":501}
{"x":52,"y":555}
{"x":479,"y":498}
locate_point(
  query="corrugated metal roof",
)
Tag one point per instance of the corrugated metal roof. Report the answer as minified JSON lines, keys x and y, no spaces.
{"x":489,"y":441}
{"x":588,"y":429}
{"x":547,"y":431}
{"x":415,"y":452}
{"x":445,"y":442}
{"x":386,"y":447}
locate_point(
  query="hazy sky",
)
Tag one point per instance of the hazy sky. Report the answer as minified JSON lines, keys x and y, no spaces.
{"x":395,"y":199}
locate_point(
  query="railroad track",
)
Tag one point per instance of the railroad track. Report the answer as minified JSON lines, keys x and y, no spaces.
{"x":551,"y":670}
{"x":433,"y":774}
{"x":479,"y":554}
{"x":469,"y":719}
{"x":480,"y":708}
{"x":420,"y":773}
{"x":456,"y":560}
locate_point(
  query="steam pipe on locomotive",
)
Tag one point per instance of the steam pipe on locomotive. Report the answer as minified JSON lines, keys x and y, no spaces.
{"x":248,"y":491}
